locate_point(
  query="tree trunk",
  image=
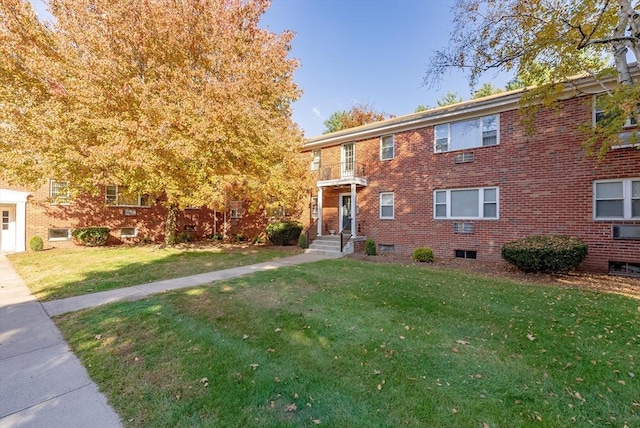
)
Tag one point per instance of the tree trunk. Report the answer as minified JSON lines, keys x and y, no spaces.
{"x":619,"y":47}
{"x":171,"y":225}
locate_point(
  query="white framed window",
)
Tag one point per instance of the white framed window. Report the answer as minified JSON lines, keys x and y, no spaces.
{"x":387,"y":203}
{"x":128,"y":232}
{"x":616,"y":199}
{"x":599,"y":115}
{"x":235,"y":209}
{"x":348,"y":157}
{"x":387,"y":147}
{"x":314,"y":207}
{"x":467,"y":134}
{"x":315,"y":160}
{"x":59,"y":192}
{"x":475,"y":203}
{"x":59,"y":234}
{"x":120,"y":196}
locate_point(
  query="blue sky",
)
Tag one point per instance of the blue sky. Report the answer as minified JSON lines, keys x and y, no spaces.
{"x":364,"y":51}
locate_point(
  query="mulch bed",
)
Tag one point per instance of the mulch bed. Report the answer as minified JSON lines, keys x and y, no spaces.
{"x":627,"y":286}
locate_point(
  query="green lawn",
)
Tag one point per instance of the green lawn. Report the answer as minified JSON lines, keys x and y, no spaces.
{"x":345,"y":343}
{"x":59,"y":273}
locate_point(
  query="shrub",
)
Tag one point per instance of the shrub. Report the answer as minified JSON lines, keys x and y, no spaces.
{"x":240,"y":237}
{"x":423,"y":254}
{"x":370,"y":247}
{"x":36,"y":243}
{"x":216,"y":237}
{"x":183,"y":237}
{"x":302,"y":241}
{"x":91,"y":236}
{"x":284,"y":232}
{"x":545,"y":253}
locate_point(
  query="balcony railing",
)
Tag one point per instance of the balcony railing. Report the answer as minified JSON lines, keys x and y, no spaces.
{"x":340,"y":170}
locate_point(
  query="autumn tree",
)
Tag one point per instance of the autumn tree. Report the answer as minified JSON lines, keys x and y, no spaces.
{"x":360,"y":114}
{"x":187,"y":101}
{"x":547,"y":42}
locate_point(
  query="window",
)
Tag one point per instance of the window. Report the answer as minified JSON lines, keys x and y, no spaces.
{"x":5,"y":220}
{"x":386,"y":205}
{"x":465,"y":254}
{"x":387,"y":147}
{"x":59,"y":234}
{"x":466,"y":134}
{"x":314,"y":207}
{"x":599,"y":114}
{"x":315,"y":160}
{"x":59,"y":192}
{"x":128,"y":232}
{"x":348,"y":158}
{"x":120,"y":196}
{"x":616,"y":199}
{"x":235,"y":209}
{"x":479,"y":203}
{"x":624,"y":268}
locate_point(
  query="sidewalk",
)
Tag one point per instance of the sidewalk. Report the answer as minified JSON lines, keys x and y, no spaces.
{"x":42,"y":383}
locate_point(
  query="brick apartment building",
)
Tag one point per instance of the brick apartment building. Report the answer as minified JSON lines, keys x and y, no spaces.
{"x":51,"y":214}
{"x":466,"y":179}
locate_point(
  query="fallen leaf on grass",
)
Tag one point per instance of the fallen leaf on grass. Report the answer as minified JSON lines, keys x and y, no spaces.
{"x":291,"y":408}
{"x":316,"y":421}
{"x":462,"y":342}
{"x":254,"y":366}
{"x":531,"y":337}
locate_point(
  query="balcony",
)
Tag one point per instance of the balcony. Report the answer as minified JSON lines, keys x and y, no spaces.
{"x":342,"y":173}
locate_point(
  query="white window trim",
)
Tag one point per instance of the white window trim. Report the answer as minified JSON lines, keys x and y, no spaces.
{"x":116,"y":203}
{"x":595,"y":111}
{"x":58,"y":199}
{"x":67,"y":238}
{"x":626,"y":199}
{"x":393,"y":206}
{"x":481,"y":203}
{"x":316,"y":161}
{"x":448,"y":124}
{"x":392,"y":137}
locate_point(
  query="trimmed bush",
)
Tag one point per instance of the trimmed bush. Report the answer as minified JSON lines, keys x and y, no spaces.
{"x":302,"y":241}
{"x":284,"y":232}
{"x":423,"y":254}
{"x":545,"y":253}
{"x":370,"y":247}
{"x":36,"y":243}
{"x":91,"y":236}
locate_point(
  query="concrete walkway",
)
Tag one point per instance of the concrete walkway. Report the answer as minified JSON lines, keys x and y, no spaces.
{"x":42,"y":383}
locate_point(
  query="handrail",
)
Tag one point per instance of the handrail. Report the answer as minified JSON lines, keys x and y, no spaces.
{"x":312,"y":227}
{"x":342,"y":244}
{"x":341,"y":170}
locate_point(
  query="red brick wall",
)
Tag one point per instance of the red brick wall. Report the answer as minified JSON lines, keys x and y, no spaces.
{"x":89,"y":210}
{"x":545,"y":186}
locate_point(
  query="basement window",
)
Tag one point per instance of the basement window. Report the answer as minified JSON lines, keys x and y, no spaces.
{"x":59,"y":234}
{"x":624,"y":268}
{"x":128,"y":232}
{"x":466,"y":254}
{"x":387,"y":248}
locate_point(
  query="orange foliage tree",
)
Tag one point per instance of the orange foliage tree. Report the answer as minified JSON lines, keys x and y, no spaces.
{"x":188,"y":100}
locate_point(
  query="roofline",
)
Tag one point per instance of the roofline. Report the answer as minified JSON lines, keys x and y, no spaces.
{"x":471,"y":108}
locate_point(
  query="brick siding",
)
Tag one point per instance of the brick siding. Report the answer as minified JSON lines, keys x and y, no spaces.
{"x":545,"y":186}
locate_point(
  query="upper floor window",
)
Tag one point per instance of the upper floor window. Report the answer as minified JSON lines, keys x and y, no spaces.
{"x":59,"y":192}
{"x":616,"y":199}
{"x":120,"y":196}
{"x":599,"y":115}
{"x":315,"y":160}
{"x":466,"y":134}
{"x":387,"y":147}
{"x":235,"y":209}
{"x":480,"y":203}
{"x":387,"y":203}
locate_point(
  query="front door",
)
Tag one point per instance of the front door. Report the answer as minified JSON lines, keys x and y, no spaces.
{"x":345,"y":212}
{"x":7,"y":228}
